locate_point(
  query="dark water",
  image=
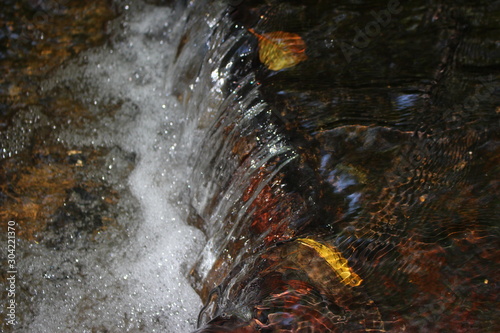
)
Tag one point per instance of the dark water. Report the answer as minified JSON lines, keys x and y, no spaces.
{"x":382,"y":145}
{"x":381,"y":150}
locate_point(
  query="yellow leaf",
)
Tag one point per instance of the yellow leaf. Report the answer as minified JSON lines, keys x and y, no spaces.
{"x":335,"y":261}
{"x":279,"y":49}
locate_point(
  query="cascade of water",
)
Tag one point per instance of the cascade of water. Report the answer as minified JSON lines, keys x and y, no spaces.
{"x":340,"y":194}
{"x":312,"y":191}
{"x":130,"y":274}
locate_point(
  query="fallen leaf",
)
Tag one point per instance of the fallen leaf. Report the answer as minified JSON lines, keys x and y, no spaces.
{"x":279,"y":49}
{"x":335,"y":261}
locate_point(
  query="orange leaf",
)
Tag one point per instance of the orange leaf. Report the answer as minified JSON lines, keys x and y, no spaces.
{"x":279,"y":49}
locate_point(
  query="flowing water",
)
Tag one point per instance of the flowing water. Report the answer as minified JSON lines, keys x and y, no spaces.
{"x":355,"y":191}
{"x":158,"y":165}
{"x":111,"y":253}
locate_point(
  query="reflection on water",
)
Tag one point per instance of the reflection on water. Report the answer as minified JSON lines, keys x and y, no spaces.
{"x":354,"y":191}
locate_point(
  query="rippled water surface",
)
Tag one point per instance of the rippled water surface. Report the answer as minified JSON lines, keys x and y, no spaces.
{"x":151,"y":163}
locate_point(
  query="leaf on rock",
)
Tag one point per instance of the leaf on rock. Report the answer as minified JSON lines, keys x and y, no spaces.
{"x":279,"y":49}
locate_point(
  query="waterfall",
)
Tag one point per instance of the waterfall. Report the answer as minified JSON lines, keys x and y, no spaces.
{"x":190,"y":187}
{"x":126,"y":273}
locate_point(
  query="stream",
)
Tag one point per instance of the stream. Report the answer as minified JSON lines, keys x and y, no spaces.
{"x":158,"y":176}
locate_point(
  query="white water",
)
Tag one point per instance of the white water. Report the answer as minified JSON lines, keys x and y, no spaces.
{"x":135,"y":280}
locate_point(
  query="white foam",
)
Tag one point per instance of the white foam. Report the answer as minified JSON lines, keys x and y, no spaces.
{"x":135,"y":283}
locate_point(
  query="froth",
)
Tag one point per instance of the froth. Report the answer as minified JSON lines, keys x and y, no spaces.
{"x":133,"y":281}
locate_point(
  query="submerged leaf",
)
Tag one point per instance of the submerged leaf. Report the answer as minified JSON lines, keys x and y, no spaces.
{"x":279,"y":49}
{"x":334,"y":260}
